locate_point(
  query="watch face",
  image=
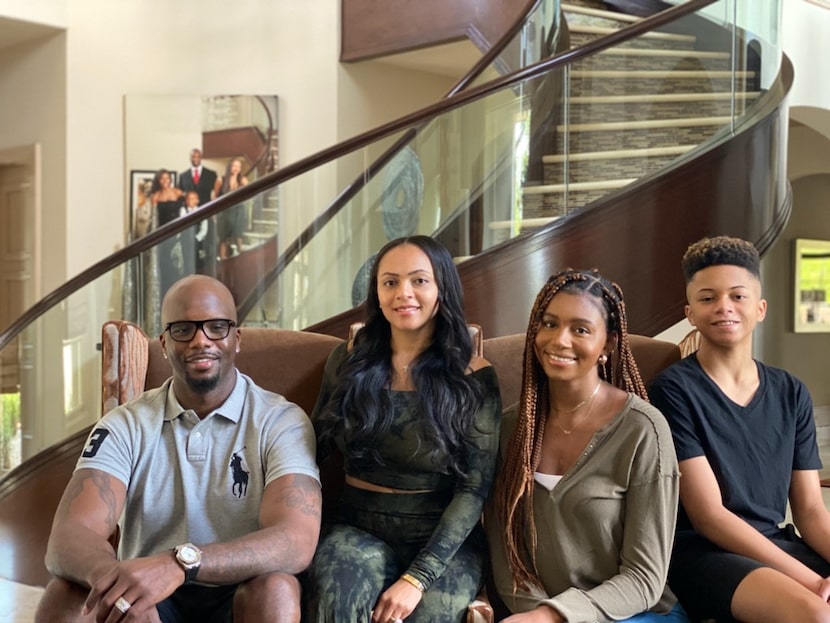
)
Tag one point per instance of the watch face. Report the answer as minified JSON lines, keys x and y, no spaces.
{"x":188,"y":554}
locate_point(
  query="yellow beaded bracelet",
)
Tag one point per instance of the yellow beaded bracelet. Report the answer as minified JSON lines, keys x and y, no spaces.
{"x":414,"y":581}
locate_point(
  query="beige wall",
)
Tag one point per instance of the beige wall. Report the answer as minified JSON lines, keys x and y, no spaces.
{"x":804,"y":28}
{"x":132,"y":47}
{"x":204,"y":48}
{"x":807,"y":355}
{"x":33,"y":112}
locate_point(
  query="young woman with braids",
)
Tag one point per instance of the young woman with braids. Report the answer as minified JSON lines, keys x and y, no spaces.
{"x":416,"y":417}
{"x":582,"y":517}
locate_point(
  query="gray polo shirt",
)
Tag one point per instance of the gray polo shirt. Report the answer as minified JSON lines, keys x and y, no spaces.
{"x":198,"y":480}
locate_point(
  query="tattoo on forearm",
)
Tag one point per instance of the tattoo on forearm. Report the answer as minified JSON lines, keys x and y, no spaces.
{"x":101,"y":483}
{"x":303,"y":494}
{"x":105,"y":492}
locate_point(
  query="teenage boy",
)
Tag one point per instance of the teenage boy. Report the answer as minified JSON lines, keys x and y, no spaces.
{"x":746,"y":442}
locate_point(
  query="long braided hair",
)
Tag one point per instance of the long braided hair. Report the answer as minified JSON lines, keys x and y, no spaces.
{"x":514,"y":487}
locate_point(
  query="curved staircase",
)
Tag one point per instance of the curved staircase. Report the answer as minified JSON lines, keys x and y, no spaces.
{"x":630,"y":111}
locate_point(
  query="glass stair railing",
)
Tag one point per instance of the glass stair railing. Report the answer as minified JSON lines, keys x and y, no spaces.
{"x":485,"y":166}
{"x":43,"y":403}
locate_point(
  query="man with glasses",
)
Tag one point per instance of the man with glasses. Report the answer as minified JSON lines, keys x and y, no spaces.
{"x":214,"y":481}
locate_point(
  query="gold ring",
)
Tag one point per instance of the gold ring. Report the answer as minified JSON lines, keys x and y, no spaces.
{"x":123,"y":605}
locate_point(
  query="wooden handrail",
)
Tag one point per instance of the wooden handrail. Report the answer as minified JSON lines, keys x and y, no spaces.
{"x":286,"y":257}
{"x":349,"y":192}
{"x":638,"y":237}
{"x":369,"y":29}
{"x":336,"y":151}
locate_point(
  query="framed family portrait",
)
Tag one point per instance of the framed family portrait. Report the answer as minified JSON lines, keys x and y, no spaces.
{"x":141,"y":206}
{"x":812,"y":286}
{"x":165,"y":129}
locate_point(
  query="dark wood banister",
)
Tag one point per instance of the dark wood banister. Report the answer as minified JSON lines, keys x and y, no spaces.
{"x":348,"y":193}
{"x":311,"y":162}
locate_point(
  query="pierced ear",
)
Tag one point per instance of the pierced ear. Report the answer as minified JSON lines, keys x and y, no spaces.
{"x":237,"y":349}
{"x":610,"y":346}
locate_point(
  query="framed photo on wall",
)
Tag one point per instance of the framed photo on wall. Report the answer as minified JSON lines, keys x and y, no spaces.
{"x":141,"y":206}
{"x":811,"y":296}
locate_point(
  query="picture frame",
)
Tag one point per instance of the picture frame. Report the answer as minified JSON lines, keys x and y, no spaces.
{"x":141,"y":207}
{"x":811,"y":286}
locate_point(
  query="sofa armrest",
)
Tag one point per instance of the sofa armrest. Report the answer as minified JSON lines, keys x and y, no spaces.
{"x":124,"y":359}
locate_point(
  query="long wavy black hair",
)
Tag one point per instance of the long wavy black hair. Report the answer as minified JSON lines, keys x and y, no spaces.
{"x":447,"y":397}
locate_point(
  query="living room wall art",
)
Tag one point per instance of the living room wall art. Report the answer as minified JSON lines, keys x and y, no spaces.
{"x":811,"y":294}
{"x":161,"y":131}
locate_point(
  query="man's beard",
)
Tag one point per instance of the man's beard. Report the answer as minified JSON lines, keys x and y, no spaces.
{"x":203,"y":385}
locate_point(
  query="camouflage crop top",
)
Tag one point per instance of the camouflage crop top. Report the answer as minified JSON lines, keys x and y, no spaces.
{"x":408,"y":466}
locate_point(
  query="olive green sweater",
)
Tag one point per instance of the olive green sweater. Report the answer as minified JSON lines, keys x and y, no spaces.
{"x":605,"y":531}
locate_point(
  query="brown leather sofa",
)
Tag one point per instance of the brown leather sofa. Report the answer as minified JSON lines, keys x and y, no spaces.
{"x":285,"y":361}
{"x":291,"y":363}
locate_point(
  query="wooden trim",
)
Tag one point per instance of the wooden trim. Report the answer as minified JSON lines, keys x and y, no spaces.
{"x":233,"y":142}
{"x":369,"y":29}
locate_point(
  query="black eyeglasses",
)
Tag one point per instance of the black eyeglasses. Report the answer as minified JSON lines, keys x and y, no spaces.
{"x":214,"y":329}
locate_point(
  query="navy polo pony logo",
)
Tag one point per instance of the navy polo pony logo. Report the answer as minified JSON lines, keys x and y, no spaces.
{"x":240,"y":474}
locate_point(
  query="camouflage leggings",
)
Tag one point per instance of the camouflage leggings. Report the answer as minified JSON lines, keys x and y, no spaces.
{"x":380,"y":534}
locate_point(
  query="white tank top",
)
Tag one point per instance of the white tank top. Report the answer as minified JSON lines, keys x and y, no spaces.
{"x":548,"y":481}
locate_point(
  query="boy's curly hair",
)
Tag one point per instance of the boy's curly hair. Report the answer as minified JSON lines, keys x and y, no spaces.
{"x":718,"y":251}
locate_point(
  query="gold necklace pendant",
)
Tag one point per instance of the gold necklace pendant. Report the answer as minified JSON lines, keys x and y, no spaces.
{"x":404,"y":369}
{"x":578,"y":421}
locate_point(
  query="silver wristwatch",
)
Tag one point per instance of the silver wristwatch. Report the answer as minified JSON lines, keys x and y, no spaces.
{"x":189,"y":558}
